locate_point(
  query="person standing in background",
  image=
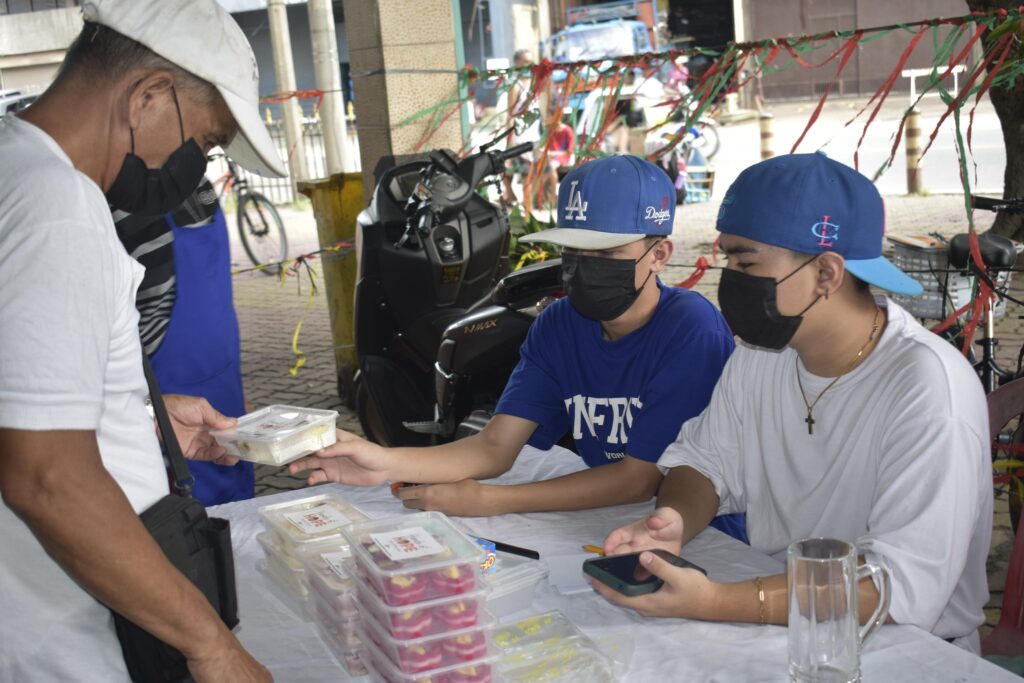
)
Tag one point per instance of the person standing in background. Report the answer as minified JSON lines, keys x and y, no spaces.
{"x":188,"y":322}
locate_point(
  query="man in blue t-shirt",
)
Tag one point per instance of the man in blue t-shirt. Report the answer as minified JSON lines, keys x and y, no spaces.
{"x":619,"y":364}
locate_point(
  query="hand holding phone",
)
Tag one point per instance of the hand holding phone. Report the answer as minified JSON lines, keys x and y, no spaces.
{"x":625,"y":574}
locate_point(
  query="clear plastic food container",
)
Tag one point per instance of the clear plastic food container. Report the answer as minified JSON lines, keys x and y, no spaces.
{"x":290,"y":581}
{"x":513,"y":582}
{"x":272,"y":548}
{"x":416,"y":655}
{"x":572,"y":660}
{"x":328,"y":580}
{"x":416,"y":557}
{"x":424,"y":618}
{"x":277,"y":435}
{"x":309,"y":520}
{"x":541,"y":629}
{"x":383,"y":670}
{"x":549,"y":647}
{"x":351,"y":658}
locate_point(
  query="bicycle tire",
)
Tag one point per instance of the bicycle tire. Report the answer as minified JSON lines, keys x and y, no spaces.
{"x":708,"y":141}
{"x":261,"y":231}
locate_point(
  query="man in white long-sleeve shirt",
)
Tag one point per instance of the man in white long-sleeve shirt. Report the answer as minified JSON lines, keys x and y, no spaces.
{"x":839,"y":416}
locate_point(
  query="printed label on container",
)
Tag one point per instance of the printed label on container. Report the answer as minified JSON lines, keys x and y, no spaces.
{"x":407,"y":544}
{"x":335,"y":561}
{"x":317,"y":520}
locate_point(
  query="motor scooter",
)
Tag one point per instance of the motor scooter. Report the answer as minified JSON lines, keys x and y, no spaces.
{"x":438,"y":317}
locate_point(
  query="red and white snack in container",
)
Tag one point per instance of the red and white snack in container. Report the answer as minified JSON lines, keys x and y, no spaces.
{"x":414,"y":558}
{"x":421,"y":619}
{"x":384,"y":670}
{"x":414,"y":655}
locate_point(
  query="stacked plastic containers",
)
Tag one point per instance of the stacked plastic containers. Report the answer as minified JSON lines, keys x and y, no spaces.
{"x":421,"y":596}
{"x":549,"y":647}
{"x":305,"y":553}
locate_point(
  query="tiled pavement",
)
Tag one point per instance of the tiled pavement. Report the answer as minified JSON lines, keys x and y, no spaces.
{"x":269,"y":311}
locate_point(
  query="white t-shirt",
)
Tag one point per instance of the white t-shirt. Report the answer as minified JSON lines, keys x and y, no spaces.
{"x":899,"y":463}
{"x":69,"y":359}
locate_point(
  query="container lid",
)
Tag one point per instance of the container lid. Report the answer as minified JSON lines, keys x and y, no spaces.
{"x":369,"y":597}
{"x":411,"y":543}
{"x":274,"y":423}
{"x":312,"y":519}
{"x":514,"y":572}
{"x":386,"y":669}
{"x":326,"y":561}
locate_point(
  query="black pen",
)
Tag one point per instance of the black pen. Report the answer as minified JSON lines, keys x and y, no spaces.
{"x":512,"y":549}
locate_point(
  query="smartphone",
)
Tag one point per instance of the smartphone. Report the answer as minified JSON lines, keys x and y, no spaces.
{"x":625,"y":574}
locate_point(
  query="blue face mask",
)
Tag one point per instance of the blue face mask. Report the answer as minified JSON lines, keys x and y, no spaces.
{"x":153,"y":192}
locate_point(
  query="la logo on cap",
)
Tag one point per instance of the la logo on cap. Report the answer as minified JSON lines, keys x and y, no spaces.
{"x":576,"y":204}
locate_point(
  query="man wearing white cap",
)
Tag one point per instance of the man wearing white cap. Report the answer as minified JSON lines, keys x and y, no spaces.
{"x":144,"y":92}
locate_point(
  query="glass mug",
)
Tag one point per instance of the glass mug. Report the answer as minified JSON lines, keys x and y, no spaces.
{"x":825,"y":636}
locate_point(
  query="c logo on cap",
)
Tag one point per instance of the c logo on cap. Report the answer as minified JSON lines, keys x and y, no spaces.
{"x":827,"y":233}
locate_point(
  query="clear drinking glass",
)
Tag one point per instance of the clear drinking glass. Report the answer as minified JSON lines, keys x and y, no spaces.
{"x":825,"y":637}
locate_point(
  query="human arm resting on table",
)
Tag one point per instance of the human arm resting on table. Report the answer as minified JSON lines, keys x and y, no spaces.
{"x":629,"y":480}
{"x":356,"y":461}
{"x":56,"y":483}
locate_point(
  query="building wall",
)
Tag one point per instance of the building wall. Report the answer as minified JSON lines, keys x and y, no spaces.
{"x":256,"y":26}
{"x":32,"y":46}
{"x":869,"y":66}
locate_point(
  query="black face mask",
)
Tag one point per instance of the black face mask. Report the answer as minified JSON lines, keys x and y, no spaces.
{"x":153,"y":192}
{"x":749,"y":305}
{"x":601,"y":288}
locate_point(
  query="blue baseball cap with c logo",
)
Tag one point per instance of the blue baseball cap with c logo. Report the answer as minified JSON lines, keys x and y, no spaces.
{"x":811,"y":204}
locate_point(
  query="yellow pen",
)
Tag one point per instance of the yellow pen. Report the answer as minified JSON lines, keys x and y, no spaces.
{"x":596,"y":549}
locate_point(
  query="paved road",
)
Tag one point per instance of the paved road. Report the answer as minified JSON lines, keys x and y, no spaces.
{"x":741,"y":143}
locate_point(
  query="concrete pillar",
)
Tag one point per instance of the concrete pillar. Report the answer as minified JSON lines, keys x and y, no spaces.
{"x":326,"y":66}
{"x":915,"y":183}
{"x":766,"y":124}
{"x":284,"y":69}
{"x":403,"y":61}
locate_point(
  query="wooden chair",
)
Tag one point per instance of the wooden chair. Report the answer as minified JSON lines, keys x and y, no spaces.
{"x":1004,"y":404}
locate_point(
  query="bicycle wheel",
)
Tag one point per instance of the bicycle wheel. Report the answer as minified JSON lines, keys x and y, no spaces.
{"x":261,"y":230}
{"x":707,"y":142}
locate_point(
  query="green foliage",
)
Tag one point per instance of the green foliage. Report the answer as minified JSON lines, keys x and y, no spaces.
{"x":521,"y":253}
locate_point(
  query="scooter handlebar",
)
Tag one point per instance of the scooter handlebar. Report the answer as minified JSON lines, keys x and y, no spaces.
{"x":516,"y":151}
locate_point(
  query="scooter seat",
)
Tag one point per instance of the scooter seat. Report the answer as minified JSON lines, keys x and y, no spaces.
{"x":997,"y":252}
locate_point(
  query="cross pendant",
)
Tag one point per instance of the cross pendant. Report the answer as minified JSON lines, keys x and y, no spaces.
{"x":810,"y":423}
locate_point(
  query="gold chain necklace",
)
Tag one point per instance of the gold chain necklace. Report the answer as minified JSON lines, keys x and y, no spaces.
{"x":799,"y":382}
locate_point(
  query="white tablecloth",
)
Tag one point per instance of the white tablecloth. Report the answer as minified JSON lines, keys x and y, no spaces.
{"x":646,"y":649}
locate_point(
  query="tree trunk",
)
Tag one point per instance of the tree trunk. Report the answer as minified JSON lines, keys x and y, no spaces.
{"x":1009,"y":105}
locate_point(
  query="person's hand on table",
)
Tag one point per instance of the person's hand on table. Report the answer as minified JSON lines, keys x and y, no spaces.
{"x":350,"y":460}
{"x":466,"y":498}
{"x":663,"y":528}
{"x":686,"y":593}
{"x":192,"y":418}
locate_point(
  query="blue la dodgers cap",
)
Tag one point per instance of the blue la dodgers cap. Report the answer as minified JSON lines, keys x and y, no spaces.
{"x":811,"y":204}
{"x":611,"y":202}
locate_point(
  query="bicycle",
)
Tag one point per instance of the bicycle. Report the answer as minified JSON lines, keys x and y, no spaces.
{"x":259,"y":224}
{"x":998,"y":257}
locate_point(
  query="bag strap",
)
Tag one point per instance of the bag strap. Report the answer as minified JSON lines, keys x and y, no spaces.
{"x":183,"y":481}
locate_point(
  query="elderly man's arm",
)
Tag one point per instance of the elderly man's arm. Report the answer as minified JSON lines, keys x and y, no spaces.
{"x":56,"y":483}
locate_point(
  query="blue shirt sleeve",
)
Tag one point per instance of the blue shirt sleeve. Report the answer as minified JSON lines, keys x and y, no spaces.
{"x":680,"y":391}
{"x":532,"y":391}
